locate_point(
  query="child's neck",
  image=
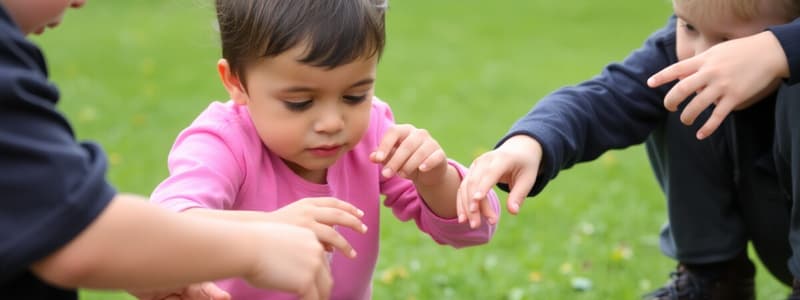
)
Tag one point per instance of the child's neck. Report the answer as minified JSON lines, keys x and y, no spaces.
{"x":315,"y":176}
{"x":320,"y":177}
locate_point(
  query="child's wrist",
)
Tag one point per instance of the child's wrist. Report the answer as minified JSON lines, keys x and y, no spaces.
{"x":435,"y":176}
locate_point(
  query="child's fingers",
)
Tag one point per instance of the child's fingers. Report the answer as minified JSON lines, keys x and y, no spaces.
{"x":389,"y":141}
{"x":488,"y":211}
{"x":461,"y":200}
{"x":206,"y":291}
{"x":322,"y":286}
{"x":474,"y":215}
{"x":483,"y":175}
{"x":704,"y":98}
{"x":434,"y":159}
{"x":465,"y":189}
{"x":519,"y":189}
{"x":328,"y":235}
{"x":402,"y":153}
{"x":683,"y":90}
{"x":490,"y":172}
{"x":414,"y":162}
{"x":674,"y":72}
{"x":337,"y":204}
{"x":333,"y":216}
{"x":721,"y":111}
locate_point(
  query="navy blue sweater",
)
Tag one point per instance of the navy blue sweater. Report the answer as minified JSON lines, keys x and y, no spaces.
{"x":51,"y":186}
{"x":615,"y":109}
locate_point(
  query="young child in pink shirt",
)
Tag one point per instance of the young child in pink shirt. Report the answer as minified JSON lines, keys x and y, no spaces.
{"x":303,"y":140}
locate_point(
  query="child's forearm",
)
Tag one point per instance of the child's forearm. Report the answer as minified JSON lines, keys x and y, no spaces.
{"x":134,"y":244}
{"x":441,"y":198}
{"x":231,"y":215}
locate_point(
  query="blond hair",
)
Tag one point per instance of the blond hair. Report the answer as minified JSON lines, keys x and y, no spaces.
{"x":742,"y":9}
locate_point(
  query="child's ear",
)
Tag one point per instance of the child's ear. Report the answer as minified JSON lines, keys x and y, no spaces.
{"x":231,"y":82}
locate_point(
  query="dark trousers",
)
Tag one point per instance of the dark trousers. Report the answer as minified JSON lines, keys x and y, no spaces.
{"x":722,"y":191}
{"x":787,"y":161}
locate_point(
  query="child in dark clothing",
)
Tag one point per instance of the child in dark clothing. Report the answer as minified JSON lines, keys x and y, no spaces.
{"x":731,"y":75}
{"x":63,"y":226}
{"x":721,"y":192}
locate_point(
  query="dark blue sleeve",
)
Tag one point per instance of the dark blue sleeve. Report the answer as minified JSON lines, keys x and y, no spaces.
{"x":789,"y":37}
{"x":51,"y":186}
{"x":613,"y":110}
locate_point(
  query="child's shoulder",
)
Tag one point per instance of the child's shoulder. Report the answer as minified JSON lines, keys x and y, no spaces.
{"x":221,"y":113}
{"x":378,"y":104}
{"x":226,"y":120}
{"x":381,"y":110}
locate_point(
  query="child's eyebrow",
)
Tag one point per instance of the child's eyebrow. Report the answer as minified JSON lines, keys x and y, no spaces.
{"x":301,"y":89}
{"x":682,"y":17}
{"x":363,"y":82}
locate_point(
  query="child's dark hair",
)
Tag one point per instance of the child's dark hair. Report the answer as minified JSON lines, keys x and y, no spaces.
{"x":335,"y":32}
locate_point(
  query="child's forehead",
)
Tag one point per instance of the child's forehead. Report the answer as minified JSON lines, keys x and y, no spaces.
{"x":725,"y":18}
{"x":733,"y":11}
{"x":289,"y":65}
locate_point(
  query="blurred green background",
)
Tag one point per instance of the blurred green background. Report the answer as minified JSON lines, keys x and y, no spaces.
{"x":134,"y":73}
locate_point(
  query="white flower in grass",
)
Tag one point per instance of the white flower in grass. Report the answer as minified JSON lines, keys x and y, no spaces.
{"x":516,"y":294}
{"x":581,"y":283}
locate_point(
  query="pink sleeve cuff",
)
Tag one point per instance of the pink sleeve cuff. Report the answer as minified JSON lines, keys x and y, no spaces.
{"x":449,"y":231}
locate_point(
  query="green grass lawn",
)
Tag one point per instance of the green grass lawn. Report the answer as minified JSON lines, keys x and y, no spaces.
{"x":134,"y":73}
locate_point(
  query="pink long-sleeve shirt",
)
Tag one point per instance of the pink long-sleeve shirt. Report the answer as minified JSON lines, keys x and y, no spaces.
{"x":220,"y":162}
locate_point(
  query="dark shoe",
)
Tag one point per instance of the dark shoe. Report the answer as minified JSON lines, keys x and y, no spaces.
{"x":732,"y":280}
{"x":795,"y":295}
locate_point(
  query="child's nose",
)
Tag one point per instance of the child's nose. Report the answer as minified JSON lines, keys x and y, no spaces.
{"x":330,"y":122}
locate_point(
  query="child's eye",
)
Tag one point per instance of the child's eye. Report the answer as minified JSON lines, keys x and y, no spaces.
{"x":297,"y":105}
{"x":689,"y":27}
{"x":354,"y":99}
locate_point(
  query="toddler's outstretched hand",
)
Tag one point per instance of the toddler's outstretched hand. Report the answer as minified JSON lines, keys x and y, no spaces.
{"x":515,"y":162}
{"x":411,"y":153}
{"x":731,"y":75}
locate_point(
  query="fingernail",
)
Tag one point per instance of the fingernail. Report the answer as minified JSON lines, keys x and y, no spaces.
{"x":363,"y":228}
{"x":423,"y":167}
{"x":701,"y":135}
{"x":352,"y":253}
{"x":477,"y":195}
{"x":379,"y":155}
{"x":460,"y":218}
{"x":472,"y":224}
{"x":386,"y":172}
{"x":359,"y":212}
{"x":515,"y":206}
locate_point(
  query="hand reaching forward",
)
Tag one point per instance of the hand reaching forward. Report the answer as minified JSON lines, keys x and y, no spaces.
{"x":411,"y":153}
{"x":731,"y":75}
{"x":515,"y":162}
